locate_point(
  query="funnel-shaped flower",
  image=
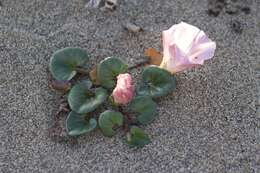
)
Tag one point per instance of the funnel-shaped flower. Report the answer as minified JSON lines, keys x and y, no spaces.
{"x":124,"y":90}
{"x":185,"y":46}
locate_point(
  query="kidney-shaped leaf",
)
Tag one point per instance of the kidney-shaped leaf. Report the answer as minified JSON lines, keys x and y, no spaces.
{"x":64,"y":62}
{"x":108,"y":70}
{"x":83,"y":100}
{"x":107,"y":120}
{"x":76,"y":124}
{"x":156,"y":82}
{"x":137,"y":137}
{"x":145,"y":108}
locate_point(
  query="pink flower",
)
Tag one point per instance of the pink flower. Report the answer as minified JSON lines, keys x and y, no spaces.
{"x":124,"y":90}
{"x":185,"y":46}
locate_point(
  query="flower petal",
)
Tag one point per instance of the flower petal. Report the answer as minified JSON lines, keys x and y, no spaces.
{"x":124,"y":90}
{"x":185,"y":46}
{"x":203,"y":48}
{"x":178,"y":60}
{"x":184,"y":35}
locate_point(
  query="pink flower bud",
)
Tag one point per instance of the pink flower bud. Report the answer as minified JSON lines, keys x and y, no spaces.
{"x":185,"y":46}
{"x":124,"y":90}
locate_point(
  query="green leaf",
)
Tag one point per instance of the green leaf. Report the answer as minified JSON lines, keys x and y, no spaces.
{"x":107,"y":120}
{"x":145,"y":108}
{"x":156,"y":82}
{"x":83,"y":100}
{"x":64,"y":62}
{"x":137,"y":137}
{"x":76,"y":124}
{"x":108,"y":70}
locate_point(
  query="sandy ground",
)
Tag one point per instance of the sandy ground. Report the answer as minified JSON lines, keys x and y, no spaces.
{"x":210,"y":124}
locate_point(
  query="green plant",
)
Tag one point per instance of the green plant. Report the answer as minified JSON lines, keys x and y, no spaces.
{"x":85,"y":96}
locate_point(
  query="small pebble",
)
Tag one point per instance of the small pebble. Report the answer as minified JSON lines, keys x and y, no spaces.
{"x":132,"y":27}
{"x":111,"y":4}
{"x":93,"y":4}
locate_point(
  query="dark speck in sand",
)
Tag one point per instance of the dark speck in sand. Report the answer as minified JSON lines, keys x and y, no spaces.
{"x":215,"y":7}
{"x":246,"y":10}
{"x":237,"y":26}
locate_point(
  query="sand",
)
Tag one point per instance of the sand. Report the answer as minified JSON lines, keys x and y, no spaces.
{"x":209,"y":124}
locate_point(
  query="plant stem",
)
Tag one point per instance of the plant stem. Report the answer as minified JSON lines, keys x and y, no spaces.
{"x":81,"y":70}
{"x":128,"y":120}
{"x":139,"y":64}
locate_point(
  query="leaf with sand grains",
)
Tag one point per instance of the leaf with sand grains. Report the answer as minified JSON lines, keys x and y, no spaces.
{"x":82,"y":99}
{"x":64,"y":62}
{"x":77,"y":124}
{"x":107,"y":120}
{"x":156,"y":82}
{"x":108,"y":70}
{"x":137,"y":137}
{"x":145,"y":108}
